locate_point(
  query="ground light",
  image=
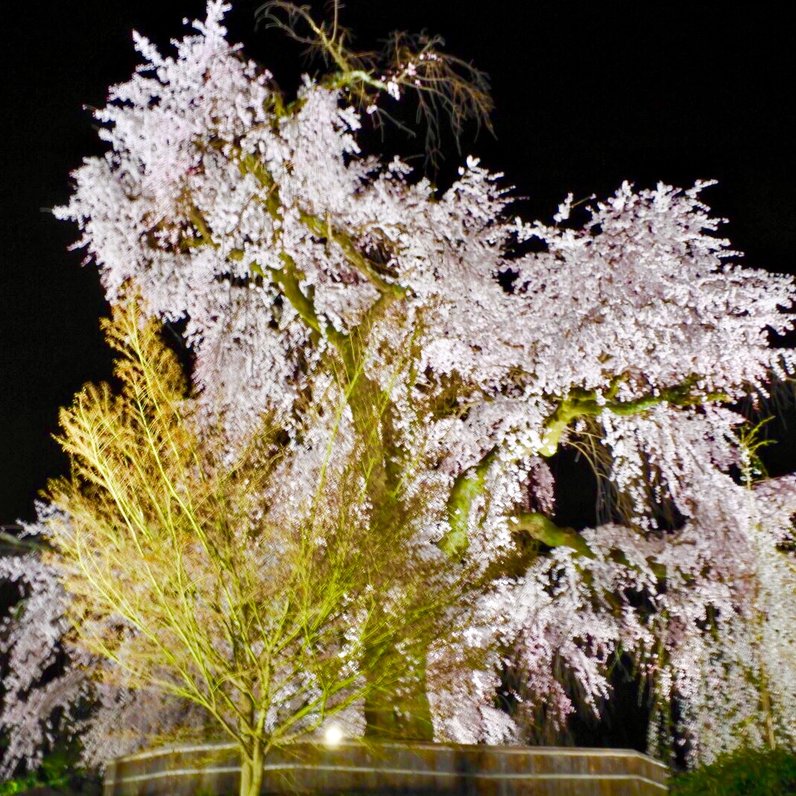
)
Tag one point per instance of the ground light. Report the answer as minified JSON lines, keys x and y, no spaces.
{"x":333,"y":735}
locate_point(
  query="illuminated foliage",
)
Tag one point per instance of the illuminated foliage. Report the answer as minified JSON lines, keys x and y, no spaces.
{"x":191,"y":569}
{"x":313,"y":281}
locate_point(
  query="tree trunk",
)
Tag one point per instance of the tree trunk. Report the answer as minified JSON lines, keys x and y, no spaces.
{"x":401,"y":710}
{"x":251,"y":772}
{"x":396,"y":708}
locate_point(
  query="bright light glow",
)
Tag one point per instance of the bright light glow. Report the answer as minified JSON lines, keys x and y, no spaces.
{"x":333,"y":735}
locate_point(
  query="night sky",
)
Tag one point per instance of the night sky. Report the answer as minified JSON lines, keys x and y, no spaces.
{"x":587,"y":95}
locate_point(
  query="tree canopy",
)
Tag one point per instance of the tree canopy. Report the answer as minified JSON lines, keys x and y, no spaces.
{"x":466,"y":348}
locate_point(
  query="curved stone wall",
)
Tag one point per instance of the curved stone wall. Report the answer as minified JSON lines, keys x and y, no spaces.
{"x":416,"y":769}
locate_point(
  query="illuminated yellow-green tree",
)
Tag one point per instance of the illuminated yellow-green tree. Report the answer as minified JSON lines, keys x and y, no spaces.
{"x":190,"y":571}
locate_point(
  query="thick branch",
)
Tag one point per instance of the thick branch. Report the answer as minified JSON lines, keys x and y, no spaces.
{"x":544,"y":530}
{"x":467,"y":488}
{"x":470,"y":484}
{"x":580,"y":403}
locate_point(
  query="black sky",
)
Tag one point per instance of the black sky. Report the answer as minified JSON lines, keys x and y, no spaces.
{"x":587,"y":94}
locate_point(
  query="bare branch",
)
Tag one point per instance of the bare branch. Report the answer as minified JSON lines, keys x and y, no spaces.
{"x":445,"y":88}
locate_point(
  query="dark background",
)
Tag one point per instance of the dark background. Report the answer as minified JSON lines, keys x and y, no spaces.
{"x":587,"y":94}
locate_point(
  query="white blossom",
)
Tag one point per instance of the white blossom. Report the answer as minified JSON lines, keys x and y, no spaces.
{"x":215,"y":207}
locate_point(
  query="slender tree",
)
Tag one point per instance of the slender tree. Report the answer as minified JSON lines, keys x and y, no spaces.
{"x":191,"y":569}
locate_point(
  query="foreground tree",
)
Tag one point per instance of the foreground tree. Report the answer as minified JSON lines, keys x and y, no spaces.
{"x":191,"y":569}
{"x":301,"y":269}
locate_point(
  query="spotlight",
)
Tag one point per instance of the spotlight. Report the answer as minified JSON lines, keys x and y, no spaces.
{"x":333,"y":735}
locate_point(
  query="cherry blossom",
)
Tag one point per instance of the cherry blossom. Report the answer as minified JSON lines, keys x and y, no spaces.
{"x":303,"y":268}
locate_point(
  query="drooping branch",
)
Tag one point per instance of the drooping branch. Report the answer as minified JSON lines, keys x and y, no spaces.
{"x":470,"y":484}
{"x":581,"y":403}
{"x":444,"y":86}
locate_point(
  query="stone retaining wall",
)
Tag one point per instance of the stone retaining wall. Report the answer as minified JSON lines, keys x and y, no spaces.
{"x":416,"y":769}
